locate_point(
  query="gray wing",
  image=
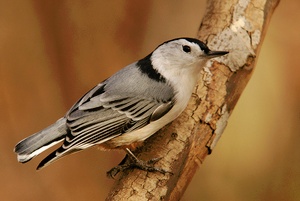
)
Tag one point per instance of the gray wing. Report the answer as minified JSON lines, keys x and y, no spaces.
{"x":127,"y":101}
{"x":115,"y":107}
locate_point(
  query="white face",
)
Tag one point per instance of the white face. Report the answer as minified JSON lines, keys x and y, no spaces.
{"x":179,"y":54}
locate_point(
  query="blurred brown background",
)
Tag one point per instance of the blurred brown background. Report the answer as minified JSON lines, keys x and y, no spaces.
{"x":52,"y":52}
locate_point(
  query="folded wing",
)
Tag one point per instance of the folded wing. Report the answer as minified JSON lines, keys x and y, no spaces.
{"x":98,"y":117}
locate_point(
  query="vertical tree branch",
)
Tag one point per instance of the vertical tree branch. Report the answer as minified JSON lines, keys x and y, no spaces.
{"x":236,"y":26}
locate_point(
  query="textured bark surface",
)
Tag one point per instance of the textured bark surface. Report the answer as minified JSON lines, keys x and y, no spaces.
{"x":236,"y":26}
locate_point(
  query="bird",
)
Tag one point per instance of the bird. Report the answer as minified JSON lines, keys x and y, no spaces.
{"x":127,"y":107}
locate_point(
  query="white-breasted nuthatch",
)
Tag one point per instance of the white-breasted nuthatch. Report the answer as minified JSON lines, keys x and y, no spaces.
{"x":129,"y":106}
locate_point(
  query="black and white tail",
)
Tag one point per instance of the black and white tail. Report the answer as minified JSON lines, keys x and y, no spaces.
{"x":40,"y":141}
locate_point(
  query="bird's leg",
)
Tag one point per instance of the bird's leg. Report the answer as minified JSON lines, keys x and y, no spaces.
{"x":131,"y":161}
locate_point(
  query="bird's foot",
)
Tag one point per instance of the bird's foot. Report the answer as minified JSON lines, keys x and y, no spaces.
{"x":134,"y":162}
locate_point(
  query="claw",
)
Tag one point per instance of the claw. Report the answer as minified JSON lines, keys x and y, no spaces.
{"x":134,"y":162}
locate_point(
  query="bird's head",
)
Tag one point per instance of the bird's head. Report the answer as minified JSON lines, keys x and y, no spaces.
{"x":182,"y":53}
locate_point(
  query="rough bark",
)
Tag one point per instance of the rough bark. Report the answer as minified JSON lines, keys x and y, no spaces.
{"x":238,"y":26}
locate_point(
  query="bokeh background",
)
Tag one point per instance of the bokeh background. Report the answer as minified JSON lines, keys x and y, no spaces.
{"x":52,"y":52}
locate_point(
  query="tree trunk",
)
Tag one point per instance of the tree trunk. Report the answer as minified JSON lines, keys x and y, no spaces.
{"x":235,"y":26}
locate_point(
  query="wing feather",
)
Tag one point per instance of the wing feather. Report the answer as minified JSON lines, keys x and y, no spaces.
{"x":101,"y":129}
{"x":109,"y":121}
{"x":104,"y":113}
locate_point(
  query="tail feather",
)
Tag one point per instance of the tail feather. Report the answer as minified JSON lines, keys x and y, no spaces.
{"x":55,"y":155}
{"x":40,"y":141}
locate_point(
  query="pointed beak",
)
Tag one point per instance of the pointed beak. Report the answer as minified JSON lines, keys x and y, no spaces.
{"x":212,"y":54}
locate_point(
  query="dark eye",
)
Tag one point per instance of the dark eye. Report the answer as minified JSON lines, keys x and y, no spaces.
{"x":186,"y":48}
